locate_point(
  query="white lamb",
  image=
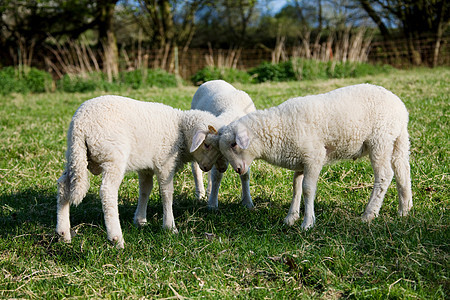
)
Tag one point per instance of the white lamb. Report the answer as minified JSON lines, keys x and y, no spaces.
{"x":112,"y":135}
{"x":304,"y":133}
{"x":228,"y":104}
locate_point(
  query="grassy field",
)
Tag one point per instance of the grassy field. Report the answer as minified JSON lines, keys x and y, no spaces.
{"x":235,"y":252}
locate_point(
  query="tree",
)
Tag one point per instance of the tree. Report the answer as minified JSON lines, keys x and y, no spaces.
{"x":238,"y":14}
{"x":416,"y":18}
{"x":29,"y":23}
{"x":168,"y":23}
{"x":106,"y":37}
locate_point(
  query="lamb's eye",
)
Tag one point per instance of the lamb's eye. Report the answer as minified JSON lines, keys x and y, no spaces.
{"x":233,"y":145}
{"x":206,"y":146}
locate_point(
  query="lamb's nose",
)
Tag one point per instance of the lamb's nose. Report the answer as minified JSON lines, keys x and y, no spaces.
{"x":238,"y":170}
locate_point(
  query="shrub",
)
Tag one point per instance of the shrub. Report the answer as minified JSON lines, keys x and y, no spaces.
{"x":38,"y":81}
{"x":309,"y":69}
{"x":213,"y":73}
{"x":76,"y":83}
{"x":23,"y":81}
{"x":133,"y":79}
{"x":266,"y":71}
{"x":147,"y":78}
{"x":369,"y":69}
{"x":160,"y":78}
{"x":9,"y":82}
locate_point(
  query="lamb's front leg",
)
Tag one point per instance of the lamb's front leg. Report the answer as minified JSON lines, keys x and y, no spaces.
{"x":293,"y":214}
{"x":311,"y":175}
{"x":145,"y":188}
{"x":214,"y":179}
{"x":198,"y":180}
{"x":246,"y":197}
{"x":166,"y":190}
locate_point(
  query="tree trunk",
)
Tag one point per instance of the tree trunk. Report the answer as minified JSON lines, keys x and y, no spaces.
{"x":365,"y":4}
{"x":107,"y":38}
{"x":442,"y":23}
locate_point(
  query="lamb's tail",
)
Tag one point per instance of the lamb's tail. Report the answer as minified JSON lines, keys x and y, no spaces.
{"x":401,"y":167}
{"x":74,"y":183}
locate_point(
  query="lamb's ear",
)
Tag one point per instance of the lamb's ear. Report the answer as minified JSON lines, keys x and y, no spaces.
{"x":242,"y":138}
{"x":197,"y":140}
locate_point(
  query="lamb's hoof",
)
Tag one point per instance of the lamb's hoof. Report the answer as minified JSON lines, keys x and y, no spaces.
{"x":368,"y":217}
{"x":213,"y":207}
{"x":213,"y":203}
{"x":118,"y":242}
{"x":403,"y":212}
{"x":307,"y":225}
{"x":172,"y":229}
{"x":248,"y":204}
{"x":290,"y":219}
{"x":66,"y":236}
{"x":200,"y":196}
{"x":140,"y":222}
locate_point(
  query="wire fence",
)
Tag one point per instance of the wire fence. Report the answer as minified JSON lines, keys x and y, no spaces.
{"x":78,"y":58}
{"x":398,"y":54}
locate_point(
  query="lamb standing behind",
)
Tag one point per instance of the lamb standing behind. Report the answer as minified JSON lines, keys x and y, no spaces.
{"x":304,"y":133}
{"x":228,"y":104}
{"x":112,"y":135}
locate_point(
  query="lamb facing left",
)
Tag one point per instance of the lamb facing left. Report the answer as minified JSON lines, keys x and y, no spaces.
{"x":111,"y":135}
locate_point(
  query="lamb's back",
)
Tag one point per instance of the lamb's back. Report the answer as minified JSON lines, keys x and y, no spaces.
{"x":358,"y":105}
{"x":145,"y":131}
{"x":220,"y":97}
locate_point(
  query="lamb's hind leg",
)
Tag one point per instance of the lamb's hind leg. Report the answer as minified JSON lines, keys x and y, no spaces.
{"x":112,"y":177}
{"x":400,"y":164}
{"x":63,"y":208}
{"x":145,"y":188}
{"x":294,"y":209}
{"x":380,"y":158}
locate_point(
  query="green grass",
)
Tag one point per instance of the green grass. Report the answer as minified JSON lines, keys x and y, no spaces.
{"x":248,"y":254}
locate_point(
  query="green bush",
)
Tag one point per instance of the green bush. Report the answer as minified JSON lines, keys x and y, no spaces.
{"x":77,"y":84}
{"x":337,"y":69}
{"x":309,"y":69}
{"x":266,"y":71}
{"x":160,"y":78}
{"x":147,"y":78}
{"x":135,"y":79}
{"x":213,"y":73}
{"x":365,"y":69}
{"x":38,"y":81}
{"x":9,"y":82}
{"x":24,"y":80}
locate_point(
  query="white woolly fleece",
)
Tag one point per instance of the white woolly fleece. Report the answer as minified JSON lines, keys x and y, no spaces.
{"x":228,"y":104}
{"x":112,"y":135}
{"x":304,"y":133}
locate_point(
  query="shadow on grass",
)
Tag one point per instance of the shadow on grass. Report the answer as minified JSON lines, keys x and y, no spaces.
{"x":37,"y":207}
{"x":31,"y":215}
{"x":34,"y":209}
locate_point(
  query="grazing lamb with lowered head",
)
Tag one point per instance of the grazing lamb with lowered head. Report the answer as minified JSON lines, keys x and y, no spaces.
{"x":304,"y":133}
{"x":228,"y":104}
{"x":112,"y":135}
